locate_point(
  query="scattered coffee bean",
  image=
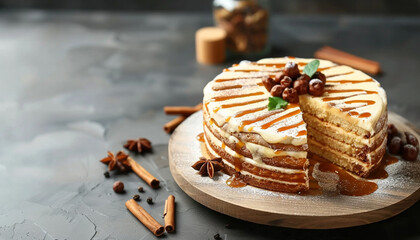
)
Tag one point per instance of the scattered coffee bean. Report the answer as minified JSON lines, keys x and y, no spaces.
{"x":136,"y":197}
{"x":118,"y":187}
{"x":411,"y":139}
{"x":316,"y":87}
{"x":277,"y":91}
{"x":395,"y":145}
{"x":106,"y":174}
{"x":409,"y":152}
{"x":320,"y":76}
{"x":268,"y":83}
{"x":140,"y":189}
{"x":217,"y":237}
{"x":149,"y":200}
{"x":301,"y":86}
{"x":290,"y":95}
{"x":392,"y":130}
{"x":286,"y":82}
{"x":291,"y":69}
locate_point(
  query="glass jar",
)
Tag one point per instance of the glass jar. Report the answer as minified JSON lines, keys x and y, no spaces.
{"x":246,"y":23}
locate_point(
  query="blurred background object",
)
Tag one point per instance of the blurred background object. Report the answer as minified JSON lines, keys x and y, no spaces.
{"x":246,"y":23}
{"x":374,"y":7}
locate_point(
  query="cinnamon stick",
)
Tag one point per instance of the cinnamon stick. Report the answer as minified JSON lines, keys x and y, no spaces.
{"x":144,"y":217}
{"x":182,"y":110}
{"x":170,"y":126}
{"x":169,"y":214}
{"x":185,"y":111}
{"x":143,"y":173}
{"x":351,"y":60}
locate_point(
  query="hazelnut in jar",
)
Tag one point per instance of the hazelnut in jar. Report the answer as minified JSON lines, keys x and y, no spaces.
{"x":246,"y":23}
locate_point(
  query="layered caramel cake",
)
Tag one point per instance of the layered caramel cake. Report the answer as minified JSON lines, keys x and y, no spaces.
{"x":346,"y":125}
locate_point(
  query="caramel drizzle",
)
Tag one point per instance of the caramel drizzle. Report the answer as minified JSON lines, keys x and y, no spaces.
{"x":245,"y":112}
{"x":339,"y":74}
{"x":350,"y":81}
{"x":260,"y":118}
{"x":233,"y":79}
{"x":349,"y":90}
{"x":290,"y":126}
{"x":302,"y":133}
{"x":291,"y":114}
{"x":221,"y":88}
{"x":243,"y":103}
{"x":226,"y":97}
{"x":236,"y":86}
{"x":327,"y":99}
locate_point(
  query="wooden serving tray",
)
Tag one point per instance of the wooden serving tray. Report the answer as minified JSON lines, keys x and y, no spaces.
{"x":395,"y":194}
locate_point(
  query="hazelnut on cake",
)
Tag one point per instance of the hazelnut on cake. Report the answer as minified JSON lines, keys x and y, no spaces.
{"x":263,"y":118}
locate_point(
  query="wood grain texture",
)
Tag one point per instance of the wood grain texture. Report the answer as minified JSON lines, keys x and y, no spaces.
{"x":395,"y":194}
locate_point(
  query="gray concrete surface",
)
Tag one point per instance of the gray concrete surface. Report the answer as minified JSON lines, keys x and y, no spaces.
{"x":74,"y":85}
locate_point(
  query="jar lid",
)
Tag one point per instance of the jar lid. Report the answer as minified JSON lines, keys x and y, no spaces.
{"x":210,"y":45}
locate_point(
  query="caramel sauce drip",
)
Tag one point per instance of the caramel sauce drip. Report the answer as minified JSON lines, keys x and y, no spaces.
{"x":215,"y":110}
{"x":349,"y":81}
{"x":226,"y":97}
{"x":368,"y":102}
{"x":223,"y":145}
{"x":290,"y":126}
{"x":260,"y":118}
{"x":365,"y":115}
{"x":243,"y":103}
{"x":228,"y":119}
{"x":235,"y":181}
{"x":250,"y":129}
{"x":327,"y":99}
{"x":200,"y":137}
{"x":380,"y":172}
{"x":240,"y":144}
{"x":291,"y":114}
{"x":347,"y":183}
{"x":353,"y":113}
{"x":302,"y":133}
{"x":221,"y":88}
{"x":245,"y":112}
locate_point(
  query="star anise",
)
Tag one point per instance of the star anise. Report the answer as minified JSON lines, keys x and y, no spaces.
{"x":140,"y":145}
{"x":118,"y":162}
{"x":207,"y":167}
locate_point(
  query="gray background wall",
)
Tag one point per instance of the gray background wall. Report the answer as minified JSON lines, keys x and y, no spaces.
{"x":366,"y":7}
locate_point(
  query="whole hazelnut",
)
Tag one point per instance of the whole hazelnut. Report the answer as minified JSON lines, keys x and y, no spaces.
{"x":411,"y":139}
{"x":395,"y":145}
{"x":301,"y":86}
{"x":279,"y":76}
{"x":291,"y":69}
{"x":268,"y":83}
{"x":286,"y":82}
{"x":118,"y":187}
{"x":316,"y":87}
{"x":304,"y":77}
{"x":320,"y":76}
{"x":290,"y":95}
{"x":392,"y":130}
{"x":277,"y":91}
{"x":409,"y":152}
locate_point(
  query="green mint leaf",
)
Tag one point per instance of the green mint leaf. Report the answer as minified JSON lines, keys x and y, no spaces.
{"x":311,"y":67}
{"x":276,"y":103}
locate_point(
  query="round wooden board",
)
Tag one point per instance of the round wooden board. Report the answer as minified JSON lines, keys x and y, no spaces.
{"x":395,"y":194}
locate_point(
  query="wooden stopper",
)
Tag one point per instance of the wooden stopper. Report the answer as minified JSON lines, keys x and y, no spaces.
{"x":210,"y":45}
